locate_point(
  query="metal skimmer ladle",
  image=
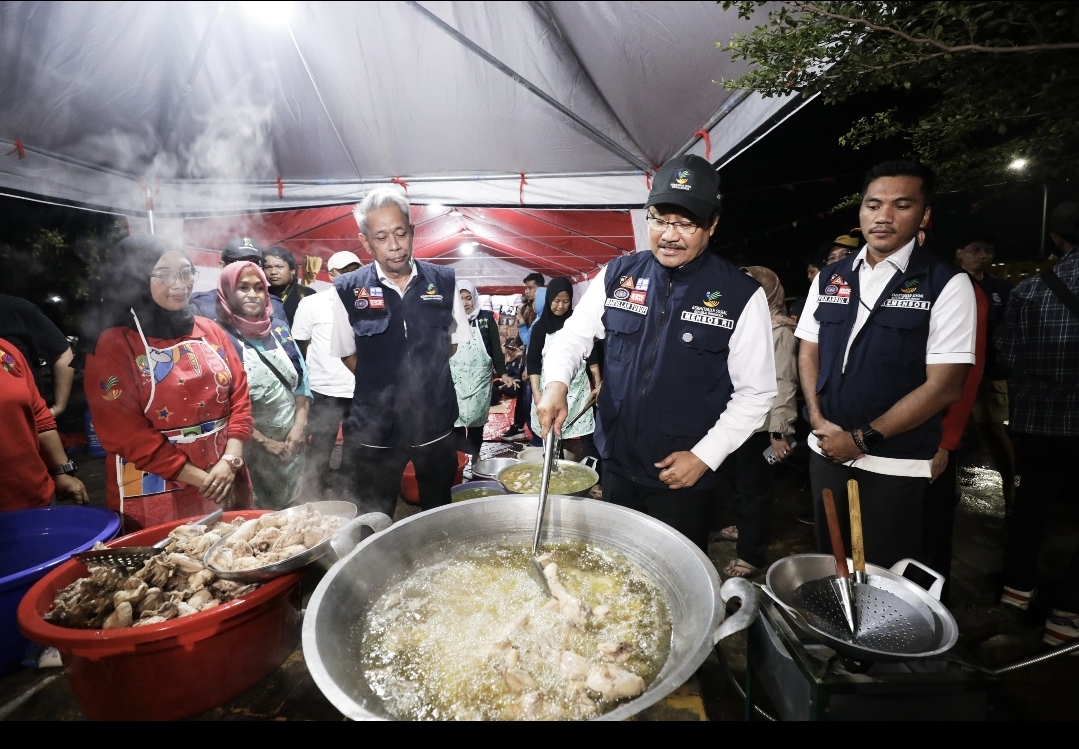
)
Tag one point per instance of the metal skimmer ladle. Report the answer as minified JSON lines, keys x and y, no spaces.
{"x":534,"y":566}
{"x":133,"y":557}
{"x":549,"y":451}
{"x":876,"y":619}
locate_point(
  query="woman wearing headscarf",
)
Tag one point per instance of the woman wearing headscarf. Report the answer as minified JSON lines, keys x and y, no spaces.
{"x":471,"y":368}
{"x":277,"y":379}
{"x":558,"y":307}
{"x":167,"y":393}
{"x":753,"y":473}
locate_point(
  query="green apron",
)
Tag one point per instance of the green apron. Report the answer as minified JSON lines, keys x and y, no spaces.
{"x":470,"y":368}
{"x":579,"y":391}
{"x":276,"y":482}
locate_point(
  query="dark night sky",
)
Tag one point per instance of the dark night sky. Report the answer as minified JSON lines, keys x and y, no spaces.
{"x":799,"y":172}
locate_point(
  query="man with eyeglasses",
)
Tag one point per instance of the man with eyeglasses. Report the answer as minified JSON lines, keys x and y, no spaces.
{"x":204,"y":303}
{"x":689,"y":365}
{"x":975,"y":255}
{"x":396,"y":324}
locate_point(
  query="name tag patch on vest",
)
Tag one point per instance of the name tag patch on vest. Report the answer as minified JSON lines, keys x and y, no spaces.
{"x":617,"y":303}
{"x":907,"y":297}
{"x":837,"y":291}
{"x":707,"y":319}
{"x":905,"y":303}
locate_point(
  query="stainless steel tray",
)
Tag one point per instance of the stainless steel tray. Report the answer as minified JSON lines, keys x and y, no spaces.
{"x":344,"y":510}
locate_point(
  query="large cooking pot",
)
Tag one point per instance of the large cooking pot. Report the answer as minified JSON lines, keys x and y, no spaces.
{"x":684,"y":574}
{"x":588,"y":465}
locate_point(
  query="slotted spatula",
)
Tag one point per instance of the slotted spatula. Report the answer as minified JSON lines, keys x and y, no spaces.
{"x":133,"y":557}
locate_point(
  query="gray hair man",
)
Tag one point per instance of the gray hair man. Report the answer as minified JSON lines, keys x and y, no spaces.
{"x":396,"y":324}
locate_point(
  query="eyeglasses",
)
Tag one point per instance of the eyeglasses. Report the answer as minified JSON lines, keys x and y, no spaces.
{"x":169,"y":277}
{"x":685,"y":228}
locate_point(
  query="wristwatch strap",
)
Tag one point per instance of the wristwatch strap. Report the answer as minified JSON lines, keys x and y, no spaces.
{"x":64,"y":469}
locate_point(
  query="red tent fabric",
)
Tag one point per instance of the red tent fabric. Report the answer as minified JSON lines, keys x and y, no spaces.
{"x":571,"y":243}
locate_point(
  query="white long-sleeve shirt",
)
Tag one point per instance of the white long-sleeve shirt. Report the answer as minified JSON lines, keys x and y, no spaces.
{"x":750,"y":362}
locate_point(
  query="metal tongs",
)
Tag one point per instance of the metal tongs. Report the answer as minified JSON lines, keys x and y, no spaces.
{"x":841,"y":584}
{"x":133,"y":557}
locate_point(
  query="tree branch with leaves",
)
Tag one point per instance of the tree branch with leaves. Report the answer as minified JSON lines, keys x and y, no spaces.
{"x":1001,"y":77}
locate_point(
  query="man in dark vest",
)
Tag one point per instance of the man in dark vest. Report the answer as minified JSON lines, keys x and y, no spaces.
{"x":689,"y":370}
{"x":887,"y":337}
{"x":396,"y":323}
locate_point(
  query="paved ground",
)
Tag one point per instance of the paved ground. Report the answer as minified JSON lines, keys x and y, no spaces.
{"x":987,"y":633}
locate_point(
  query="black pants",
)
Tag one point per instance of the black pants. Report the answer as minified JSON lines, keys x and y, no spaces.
{"x":377,"y":474}
{"x":1044,"y":463}
{"x":753,"y":480}
{"x":891,"y":510}
{"x":323,"y":421}
{"x":469,"y":440}
{"x":685,"y":510}
{"x":938,"y":522}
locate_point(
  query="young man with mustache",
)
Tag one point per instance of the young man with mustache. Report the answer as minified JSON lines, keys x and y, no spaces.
{"x":887,"y":337}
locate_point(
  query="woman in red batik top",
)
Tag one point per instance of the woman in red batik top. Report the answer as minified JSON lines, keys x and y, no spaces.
{"x":167,"y":393}
{"x":30,"y":448}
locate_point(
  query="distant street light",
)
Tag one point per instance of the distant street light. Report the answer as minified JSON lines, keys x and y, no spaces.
{"x":1018,"y":164}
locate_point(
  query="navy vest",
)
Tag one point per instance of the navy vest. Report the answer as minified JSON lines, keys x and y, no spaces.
{"x":887,"y":358}
{"x":665,"y":381}
{"x":404,"y":394}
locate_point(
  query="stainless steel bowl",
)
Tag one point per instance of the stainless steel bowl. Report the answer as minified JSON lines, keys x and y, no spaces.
{"x":585,"y":464}
{"x":344,"y":510}
{"x":491,"y":467}
{"x":687,"y":578}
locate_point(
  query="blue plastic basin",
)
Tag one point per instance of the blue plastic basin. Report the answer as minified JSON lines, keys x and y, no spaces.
{"x":32,"y":542}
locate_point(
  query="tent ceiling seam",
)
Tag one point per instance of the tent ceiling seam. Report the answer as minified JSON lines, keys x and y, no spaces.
{"x":192,"y":74}
{"x":546,"y":7}
{"x":318,"y":93}
{"x":589,"y":237}
{"x":602,"y":139}
{"x":526,"y":238}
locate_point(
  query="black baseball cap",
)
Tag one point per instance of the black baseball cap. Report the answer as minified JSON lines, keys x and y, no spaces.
{"x":689,"y":182}
{"x":241,"y":248}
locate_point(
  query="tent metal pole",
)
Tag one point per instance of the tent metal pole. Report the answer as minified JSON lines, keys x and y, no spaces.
{"x":601,"y":138}
{"x":728,"y":106}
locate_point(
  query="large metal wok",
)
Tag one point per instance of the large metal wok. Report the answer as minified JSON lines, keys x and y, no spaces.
{"x":916,"y":626}
{"x":685,"y":575}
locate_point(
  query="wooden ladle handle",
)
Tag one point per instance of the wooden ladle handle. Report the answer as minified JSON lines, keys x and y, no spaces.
{"x":857,"y":541}
{"x":838,"y":551}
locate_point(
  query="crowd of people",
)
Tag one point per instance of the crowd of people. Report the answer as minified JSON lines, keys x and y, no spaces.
{"x":263,"y":392}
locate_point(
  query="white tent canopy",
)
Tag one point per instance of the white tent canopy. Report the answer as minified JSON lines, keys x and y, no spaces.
{"x":217,"y":108}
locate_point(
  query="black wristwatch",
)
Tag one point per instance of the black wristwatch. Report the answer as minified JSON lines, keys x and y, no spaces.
{"x":867,"y":439}
{"x":778,"y":436}
{"x":68,"y":468}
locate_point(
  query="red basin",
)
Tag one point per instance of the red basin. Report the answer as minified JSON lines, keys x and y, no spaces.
{"x":175,"y":669}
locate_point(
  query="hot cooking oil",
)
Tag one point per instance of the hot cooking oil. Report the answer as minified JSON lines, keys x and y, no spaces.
{"x":435,"y":645}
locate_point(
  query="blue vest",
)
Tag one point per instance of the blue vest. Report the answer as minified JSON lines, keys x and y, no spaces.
{"x":665,"y":381}
{"x":887,"y":357}
{"x":404,"y":395}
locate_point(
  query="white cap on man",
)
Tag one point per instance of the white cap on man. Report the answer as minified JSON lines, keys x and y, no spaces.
{"x":339,"y":260}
